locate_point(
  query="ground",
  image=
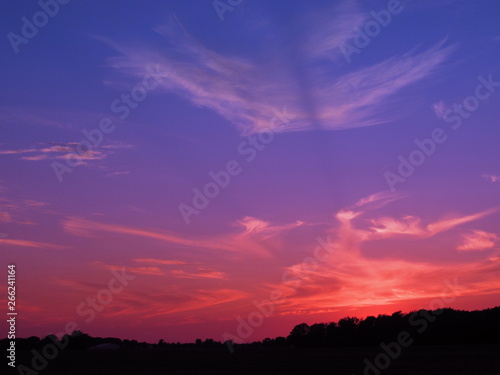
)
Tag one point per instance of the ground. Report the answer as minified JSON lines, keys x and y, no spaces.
{"x":428,"y":360}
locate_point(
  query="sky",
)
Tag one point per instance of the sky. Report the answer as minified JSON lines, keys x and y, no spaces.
{"x":228,"y":169}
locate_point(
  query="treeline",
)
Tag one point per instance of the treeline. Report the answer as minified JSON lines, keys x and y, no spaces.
{"x":77,"y":340}
{"x":423,"y":327}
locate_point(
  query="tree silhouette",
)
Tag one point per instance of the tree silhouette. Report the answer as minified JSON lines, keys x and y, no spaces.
{"x":442,"y":327}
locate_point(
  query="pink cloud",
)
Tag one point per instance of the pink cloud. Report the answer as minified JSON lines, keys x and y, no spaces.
{"x":81,"y":227}
{"x":378,"y":200}
{"x":248,"y":242}
{"x":439,"y":109}
{"x":34,"y":203}
{"x":89,"y":155}
{"x":203,"y":273}
{"x":409,"y":225}
{"x":21,"y":151}
{"x":491,"y":177}
{"x":5,"y":217}
{"x":139,"y":270}
{"x":66,"y":150}
{"x":253,"y":225}
{"x":158,"y":261}
{"x":477,"y":240}
{"x":35,"y":158}
{"x":447,"y":224}
{"x":349,"y":278}
{"x":198,"y":300}
{"x":24,"y":243}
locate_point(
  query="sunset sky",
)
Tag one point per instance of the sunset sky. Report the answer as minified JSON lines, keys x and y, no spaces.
{"x":116,"y":119}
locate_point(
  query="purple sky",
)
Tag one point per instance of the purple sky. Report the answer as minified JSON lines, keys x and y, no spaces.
{"x":371,"y":125}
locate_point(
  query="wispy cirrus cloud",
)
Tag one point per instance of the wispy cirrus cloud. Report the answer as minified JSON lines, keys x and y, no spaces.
{"x":388,"y":226}
{"x":449,"y":223}
{"x":194,"y":300}
{"x":5,"y":217}
{"x":19,"y":151}
{"x":138,"y":270}
{"x":87,"y":228}
{"x":358,"y":98}
{"x":200,"y":273}
{"x":170,"y":303}
{"x":324,"y":37}
{"x":63,"y":151}
{"x":158,"y":261}
{"x":34,"y":203}
{"x":247,"y":92}
{"x":154,"y":267}
{"x":35,"y":157}
{"x":250,"y":240}
{"x":254,"y":225}
{"x":410,"y":225}
{"x":32,"y":244}
{"x":19,"y":211}
{"x":196,"y":273}
{"x":58,"y":151}
{"x":378,"y":200}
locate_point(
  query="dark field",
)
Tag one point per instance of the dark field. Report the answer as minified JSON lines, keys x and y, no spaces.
{"x":432,"y":360}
